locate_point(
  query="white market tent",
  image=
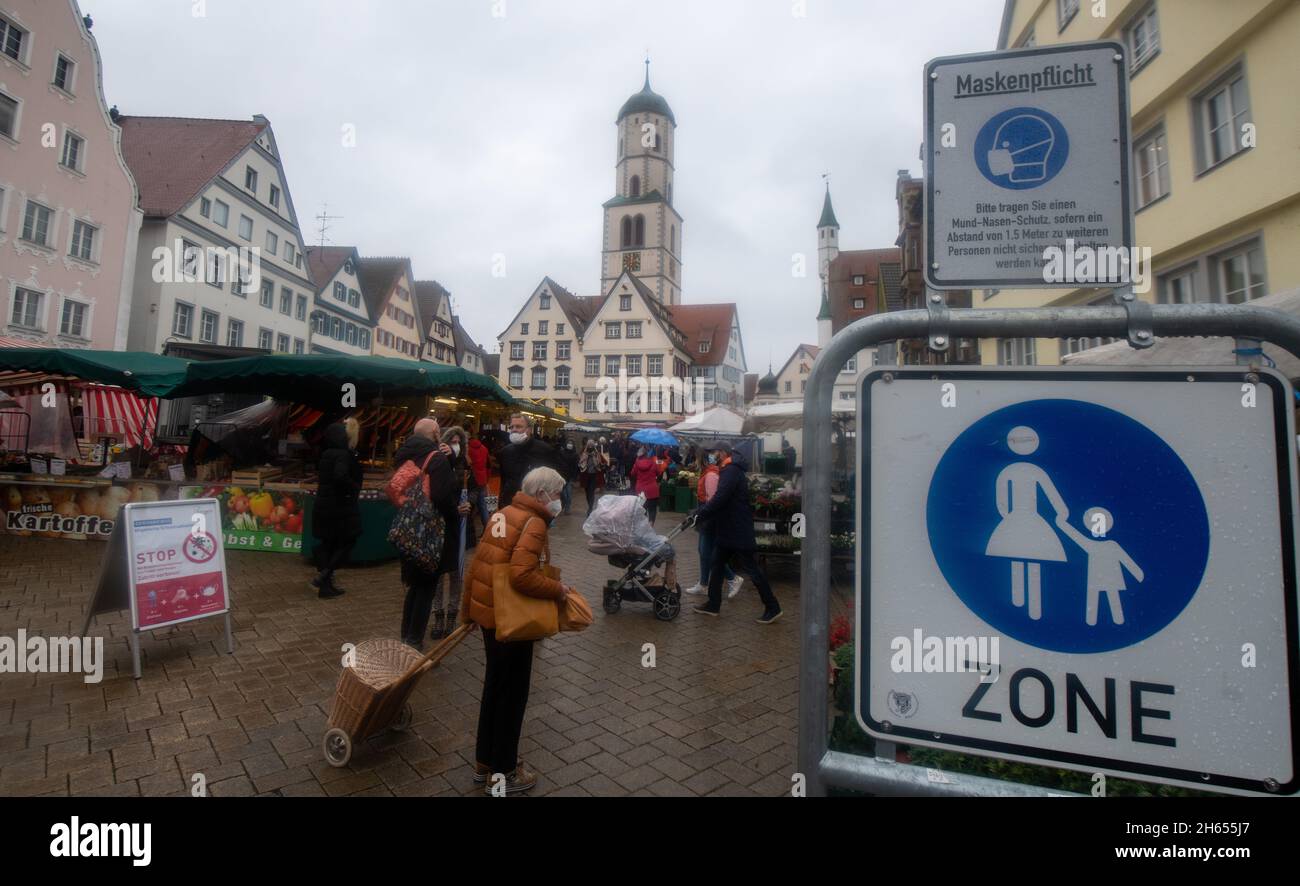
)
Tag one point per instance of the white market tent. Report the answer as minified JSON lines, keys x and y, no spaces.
{"x":1216,"y":351}
{"x":769,"y":418}
{"x":718,"y":420}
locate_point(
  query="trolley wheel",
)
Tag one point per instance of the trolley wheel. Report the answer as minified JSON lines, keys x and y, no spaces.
{"x":667,"y":606}
{"x":613,"y":601}
{"x":404,"y":718}
{"x":337,"y":745}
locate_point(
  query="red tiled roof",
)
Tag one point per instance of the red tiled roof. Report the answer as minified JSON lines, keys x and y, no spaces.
{"x":852,"y":263}
{"x":428,"y":295}
{"x":378,"y":275}
{"x":323,"y":262}
{"x":701,"y":323}
{"x":173,"y":158}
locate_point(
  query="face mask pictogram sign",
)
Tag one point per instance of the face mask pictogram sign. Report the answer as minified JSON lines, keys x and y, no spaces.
{"x":1093,"y":569}
{"x":165,"y":562}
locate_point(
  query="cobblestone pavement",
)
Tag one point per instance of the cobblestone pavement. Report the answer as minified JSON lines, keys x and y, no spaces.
{"x":716,"y":716}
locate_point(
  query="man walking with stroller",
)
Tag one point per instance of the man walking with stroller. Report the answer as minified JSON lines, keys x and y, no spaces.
{"x":732,"y":520}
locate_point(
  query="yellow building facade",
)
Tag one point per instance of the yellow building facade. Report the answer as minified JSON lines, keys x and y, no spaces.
{"x":1215,"y":139}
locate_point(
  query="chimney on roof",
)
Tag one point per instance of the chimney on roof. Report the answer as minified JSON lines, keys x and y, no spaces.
{"x":88,"y":22}
{"x":260,"y":118}
{"x":114,"y":114}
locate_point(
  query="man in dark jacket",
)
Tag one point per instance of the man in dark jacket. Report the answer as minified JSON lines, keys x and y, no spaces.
{"x":444,"y":494}
{"x":732,"y":519}
{"x":523,"y":453}
{"x":336,"y":509}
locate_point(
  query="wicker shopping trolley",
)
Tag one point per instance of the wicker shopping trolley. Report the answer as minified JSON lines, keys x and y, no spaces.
{"x":374,"y":693}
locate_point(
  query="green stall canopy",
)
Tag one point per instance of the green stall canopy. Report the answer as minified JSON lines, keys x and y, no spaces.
{"x":318,"y":379}
{"x":151,"y":375}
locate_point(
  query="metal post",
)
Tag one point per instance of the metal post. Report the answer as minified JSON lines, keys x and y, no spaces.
{"x":135,"y":653}
{"x":1138,"y":326}
{"x":230,"y":635}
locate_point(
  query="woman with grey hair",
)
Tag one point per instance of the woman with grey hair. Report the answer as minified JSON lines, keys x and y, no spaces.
{"x":525,"y":546}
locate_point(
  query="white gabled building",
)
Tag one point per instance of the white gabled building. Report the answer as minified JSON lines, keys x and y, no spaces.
{"x":434,"y":303}
{"x":340,"y":316}
{"x":541,"y":347}
{"x":717,"y":352}
{"x":220,"y":257}
{"x":387,"y":287}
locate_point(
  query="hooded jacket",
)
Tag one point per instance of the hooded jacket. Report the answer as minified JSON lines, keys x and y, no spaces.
{"x":728,"y":513}
{"x":645,"y":474}
{"x":336,"y":511}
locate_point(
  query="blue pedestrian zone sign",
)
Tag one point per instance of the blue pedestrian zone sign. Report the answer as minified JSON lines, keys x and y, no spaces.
{"x":1087,"y":568}
{"x":1091,"y":524}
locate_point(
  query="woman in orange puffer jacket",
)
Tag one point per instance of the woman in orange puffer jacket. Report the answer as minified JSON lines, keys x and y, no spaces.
{"x":524,"y":545}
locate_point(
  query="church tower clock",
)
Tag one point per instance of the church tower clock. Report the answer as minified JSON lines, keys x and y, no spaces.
{"x":642,"y":231}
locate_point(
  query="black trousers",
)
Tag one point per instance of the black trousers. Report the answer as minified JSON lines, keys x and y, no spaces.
{"x":652,"y":509}
{"x":330,"y":555}
{"x":747,"y":564}
{"x":420,"y":588}
{"x":589,"y":484}
{"x":505,"y":697}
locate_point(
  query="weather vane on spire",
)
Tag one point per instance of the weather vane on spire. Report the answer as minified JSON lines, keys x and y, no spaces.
{"x":647,"y":66}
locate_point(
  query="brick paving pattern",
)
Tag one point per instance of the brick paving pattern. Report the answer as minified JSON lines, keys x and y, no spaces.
{"x":716,"y":716}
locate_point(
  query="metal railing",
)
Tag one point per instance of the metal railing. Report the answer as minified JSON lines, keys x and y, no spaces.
{"x":1137,"y":322}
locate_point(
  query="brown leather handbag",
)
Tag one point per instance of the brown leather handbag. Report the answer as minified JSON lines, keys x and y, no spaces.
{"x":519,"y":616}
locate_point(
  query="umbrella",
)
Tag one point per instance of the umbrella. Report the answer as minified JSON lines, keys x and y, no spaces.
{"x":654,"y":437}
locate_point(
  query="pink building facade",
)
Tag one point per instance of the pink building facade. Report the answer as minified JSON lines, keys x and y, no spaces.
{"x":69,"y":220}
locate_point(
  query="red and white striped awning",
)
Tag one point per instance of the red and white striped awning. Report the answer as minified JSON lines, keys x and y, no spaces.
{"x":119,"y":413}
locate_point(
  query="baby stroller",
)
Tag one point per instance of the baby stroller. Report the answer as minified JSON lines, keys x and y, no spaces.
{"x":619,"y":530}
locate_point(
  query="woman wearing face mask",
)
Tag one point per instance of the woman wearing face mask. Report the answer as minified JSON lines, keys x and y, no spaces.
{"x":446,"y":602}
{"x":592,"y":465}
{"x":645,"y":476}
{"x":705,"y":488}
{"x":509,"y":665}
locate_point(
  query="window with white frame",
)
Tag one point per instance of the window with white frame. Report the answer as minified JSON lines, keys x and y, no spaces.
{"x":209,"y":323}
{"x":655,"y":365}
{"x":562,"y":349}
{"x":1151,"y":161}
{"x":613,"y":330}
{"x":13,"y":39}
{"x":267,"y":299}
{"x":246,"y":228}
{"x":1178,"y":287}
{"x":205,"y":207}
{"x":516,"y":377}
{"x":539,"y":377}
{"x":36,"y":223}
{"x":354,"y":298}
{"x":264,"y":339}
{"x":1221,"y":113}
{"x":625,"y":302}
{"x":1017,"y":352}
{"x":183,"y":320}
{"x":340,"y":292}
{"x":654,"y":401}
{"x":286,"y":301}
{"x":83,"y":241}
{"x":589,"y":401}
{"x":29,"y":309}
{"x":364,"y":338}
{"x":704,"y":347}
{"x":275,"y":197}
{"x":612,"y":363}
{"x":1238,"y":273}
{"x":523,"y":328}
{"x":633,"y":328}
{"x":318,"y":322}
{"x":544,"y":302}
{"x":859,"y":304}
{"x":559,"y":329}
{"x":298,"y":346}
{"x":542,"y":327}
{"x":235,"y":333}
{"x":8,"y":116}
{"x":516,"y":350}
{"x":282,"y":343}
{"x":288,"y":252}
{"x":633,"y":365}
{"x":74,"y":149}
{"x":250,"y":182}
{"x":1142,"y":36}
{"x":72,"y":320}
{"x":539,"y":350}
{"x":272,"y":242}
{"x":336,"y":329}
{"x":1075,"y":345}
{"x":591,"y":367}
{"x":216,"y":268}
{"x":350,"y":333}
{"x":220,"y":213}
{"x":300,"y":308}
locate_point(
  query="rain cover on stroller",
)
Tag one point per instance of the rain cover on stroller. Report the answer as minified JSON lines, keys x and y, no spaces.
{"x":619,"y":525}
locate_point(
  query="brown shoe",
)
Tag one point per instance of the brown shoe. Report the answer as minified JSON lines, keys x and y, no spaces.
{"x":481,"y":772}
{"x":522,"y":779}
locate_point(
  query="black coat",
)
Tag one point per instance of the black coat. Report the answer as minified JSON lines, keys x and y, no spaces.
{"x":444,"y":494}
{"x":517,"y":459}
{"x":336,"y":513}
{"x":728,"y":512}
{"x":569,"y":458}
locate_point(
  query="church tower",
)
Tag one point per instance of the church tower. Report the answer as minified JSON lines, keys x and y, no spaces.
{"x":828,"y":246}
{"x":642,"y":232}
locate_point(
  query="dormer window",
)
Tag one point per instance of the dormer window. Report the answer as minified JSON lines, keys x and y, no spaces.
{"x":625,"y":302}
{"x":704,"y":347}
{"x":544,"y":303}
{"x":250,"y":179}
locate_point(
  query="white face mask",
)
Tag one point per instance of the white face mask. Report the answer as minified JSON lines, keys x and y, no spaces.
{"x":555,"y":507}
{"x":455,"y":449}
{"x":516,"y":437}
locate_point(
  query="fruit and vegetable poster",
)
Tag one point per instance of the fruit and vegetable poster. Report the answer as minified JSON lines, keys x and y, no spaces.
{"x":257,"y":519}
{"x":177,"y":563}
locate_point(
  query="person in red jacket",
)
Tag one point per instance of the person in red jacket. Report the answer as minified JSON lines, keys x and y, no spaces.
{"x":478,"y":464}
{"x":645,"y":479}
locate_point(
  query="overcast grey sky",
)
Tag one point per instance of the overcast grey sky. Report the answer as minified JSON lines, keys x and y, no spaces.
{"x":479,"y":134}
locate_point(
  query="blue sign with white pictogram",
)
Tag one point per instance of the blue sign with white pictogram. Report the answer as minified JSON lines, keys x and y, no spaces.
{"x":1021,"y":148}
{"x":1068,"y":526}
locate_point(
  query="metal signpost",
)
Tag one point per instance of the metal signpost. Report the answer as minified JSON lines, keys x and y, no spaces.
{"x":1071,"y":570}
{"x":1181,"y":640}
{"x":1027,"y":151}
